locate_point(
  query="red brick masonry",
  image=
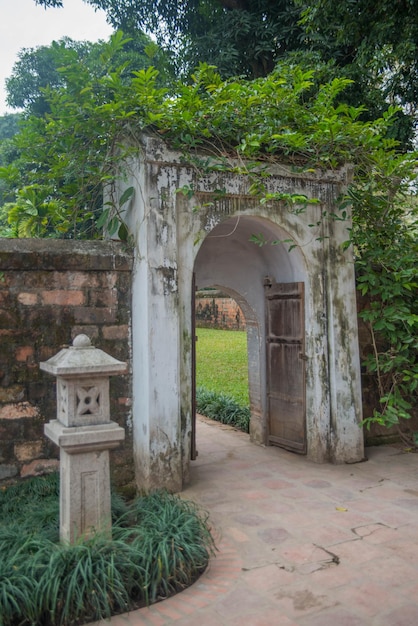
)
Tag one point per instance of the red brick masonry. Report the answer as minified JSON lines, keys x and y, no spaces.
{"x":50,"y":291}
{"x":218,"y":311}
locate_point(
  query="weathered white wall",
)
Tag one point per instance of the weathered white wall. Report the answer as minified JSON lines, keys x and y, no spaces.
{"x":176,"y":235}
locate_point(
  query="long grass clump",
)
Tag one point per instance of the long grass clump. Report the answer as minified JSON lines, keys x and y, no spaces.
{"x":222,"y":408}
{"x":160,"y":545}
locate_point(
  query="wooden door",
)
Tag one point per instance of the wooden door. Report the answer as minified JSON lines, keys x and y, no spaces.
{"x":285,"y":352}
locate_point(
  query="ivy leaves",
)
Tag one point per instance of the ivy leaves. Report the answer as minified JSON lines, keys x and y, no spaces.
{"x":385,"y":238}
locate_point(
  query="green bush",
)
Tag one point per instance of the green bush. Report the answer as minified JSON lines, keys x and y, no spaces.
{"x":222,"y":408}
{"x":160,"y":545}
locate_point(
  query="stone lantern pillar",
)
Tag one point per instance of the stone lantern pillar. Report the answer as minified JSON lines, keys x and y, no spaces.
{"x":85,"y":434}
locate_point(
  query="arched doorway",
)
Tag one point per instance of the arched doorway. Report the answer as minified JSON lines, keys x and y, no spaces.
{"x":211,"y":235}
{"x":268,"y":282}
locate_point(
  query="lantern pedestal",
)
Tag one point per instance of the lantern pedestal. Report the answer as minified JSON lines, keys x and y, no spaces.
{"x":85,"y":476}
{"x":84,"y":434}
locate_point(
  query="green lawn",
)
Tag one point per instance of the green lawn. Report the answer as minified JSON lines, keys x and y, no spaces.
{"x":221,"y":362}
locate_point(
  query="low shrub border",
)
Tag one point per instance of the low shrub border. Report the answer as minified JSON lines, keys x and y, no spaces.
{"x":222,"y":408}
{"x":160,"y":545}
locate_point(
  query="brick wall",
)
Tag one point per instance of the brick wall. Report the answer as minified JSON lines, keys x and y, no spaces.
{"x":50,"y":291}
{"x":218,"y":311}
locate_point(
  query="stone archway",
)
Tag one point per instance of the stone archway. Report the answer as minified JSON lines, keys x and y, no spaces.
{"x":177,"y":234}
{"x":228,"y":259}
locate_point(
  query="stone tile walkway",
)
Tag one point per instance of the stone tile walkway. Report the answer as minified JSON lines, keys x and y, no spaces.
{"x":299,"y":544}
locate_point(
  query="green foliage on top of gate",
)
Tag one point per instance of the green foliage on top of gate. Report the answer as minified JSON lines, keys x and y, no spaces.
{"x":79,"y":147}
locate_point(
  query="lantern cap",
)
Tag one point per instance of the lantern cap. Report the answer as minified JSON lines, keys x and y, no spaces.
{"x":82,"y":359}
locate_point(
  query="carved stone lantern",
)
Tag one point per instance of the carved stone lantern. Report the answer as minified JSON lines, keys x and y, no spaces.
{"x":85,"y":433}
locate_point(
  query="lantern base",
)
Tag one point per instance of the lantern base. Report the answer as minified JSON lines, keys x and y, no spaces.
{"x":84,"y":477}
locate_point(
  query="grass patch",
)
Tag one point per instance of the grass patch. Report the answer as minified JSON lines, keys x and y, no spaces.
{"x":160,"y":545}
{"x":222,"y":363}
{"x":222,"y":376}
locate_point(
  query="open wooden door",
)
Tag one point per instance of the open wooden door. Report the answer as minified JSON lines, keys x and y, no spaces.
{"x":285,"y":353}
{"x":193,"y":450}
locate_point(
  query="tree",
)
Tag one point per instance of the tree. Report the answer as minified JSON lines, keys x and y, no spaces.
{"x":66,"y":157}
{"x":238,"y":36}
{"x":364,"y":32}
{"x":65,"y":67}
{"x":41,"y":68}
{"x":9,"y":127}
{"x":38,"y":68}
{"x":376,"y":44}
{"x":373,"y":43}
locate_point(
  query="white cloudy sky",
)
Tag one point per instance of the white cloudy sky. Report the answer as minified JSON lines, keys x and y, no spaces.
{"x":24,"y":24}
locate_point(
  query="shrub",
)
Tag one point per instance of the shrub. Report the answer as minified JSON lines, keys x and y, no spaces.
{"x":222,"y":408}
{"x":160,"y":545}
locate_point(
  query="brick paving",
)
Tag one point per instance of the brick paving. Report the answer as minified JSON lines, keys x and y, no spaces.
{"x":299,"y":544}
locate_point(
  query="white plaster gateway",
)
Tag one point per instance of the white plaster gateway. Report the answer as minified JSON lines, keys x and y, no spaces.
{"x":299,"y":305}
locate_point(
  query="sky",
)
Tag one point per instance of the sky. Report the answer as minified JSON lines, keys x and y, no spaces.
{"x":24,"y":24}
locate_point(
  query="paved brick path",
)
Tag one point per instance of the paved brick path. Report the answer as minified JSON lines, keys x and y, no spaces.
{"x":299,"y":544}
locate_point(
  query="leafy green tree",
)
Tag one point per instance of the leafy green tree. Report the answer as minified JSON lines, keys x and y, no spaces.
{"x":9,"y":126}
{"x":238,"y":36}
{"x":372,"y":43}
{"x":376,"y":44}
{"x":67,"y":156}
{"x":40,"y":74}
{"x":37,"y":68}
{"x":35,"y":214}
{"x":41,"y":68}
{"x":381,"y":34}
